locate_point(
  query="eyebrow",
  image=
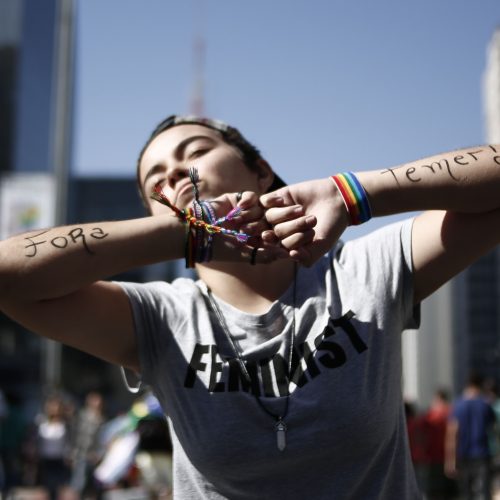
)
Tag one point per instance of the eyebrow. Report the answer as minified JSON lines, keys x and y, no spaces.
{"x":178,"y":153}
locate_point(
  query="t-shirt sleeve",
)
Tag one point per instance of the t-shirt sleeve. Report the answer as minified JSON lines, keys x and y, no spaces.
{"x":158,"y":311}
{"x":381,"y":265}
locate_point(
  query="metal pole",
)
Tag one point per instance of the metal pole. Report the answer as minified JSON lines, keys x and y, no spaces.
{"x":61,"y":141}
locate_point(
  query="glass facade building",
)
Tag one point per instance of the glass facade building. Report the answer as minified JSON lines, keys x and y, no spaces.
{"x":36,"y":129}
{"x":460,"y":331}
{"x":10,"y":37}
{"x":28,"y":33}
{"x":483,"y":278}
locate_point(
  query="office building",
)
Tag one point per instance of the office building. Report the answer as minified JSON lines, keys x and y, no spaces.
{"x":460,"y":331}
{"x":36,"y":123}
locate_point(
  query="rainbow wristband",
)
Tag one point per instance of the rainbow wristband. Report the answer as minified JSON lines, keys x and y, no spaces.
{"x":354,"y":196}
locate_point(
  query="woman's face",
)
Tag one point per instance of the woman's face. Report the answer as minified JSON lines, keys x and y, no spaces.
{"x":220,"y":166}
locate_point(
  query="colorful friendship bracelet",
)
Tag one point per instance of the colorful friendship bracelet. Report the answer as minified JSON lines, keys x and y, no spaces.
{"x":354,"y":196}
{"x":187,"y":217}
{"x":190,"y":243}
{"x":208,"y":214}
{"x":199,"y":233}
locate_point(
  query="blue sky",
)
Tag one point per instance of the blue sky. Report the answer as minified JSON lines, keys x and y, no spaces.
{"x":319,"y":86}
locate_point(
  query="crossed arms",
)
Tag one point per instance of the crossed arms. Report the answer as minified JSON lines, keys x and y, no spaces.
{"x":50,"y":281}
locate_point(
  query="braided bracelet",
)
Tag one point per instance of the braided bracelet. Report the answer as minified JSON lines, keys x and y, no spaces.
{"x":198,"y":247}
{"x":354,"y":197}
{"x":199,"y":234}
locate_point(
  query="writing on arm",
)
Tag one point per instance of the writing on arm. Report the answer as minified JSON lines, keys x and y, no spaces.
{"x":448,"y":165}
{"x":75,"y":236}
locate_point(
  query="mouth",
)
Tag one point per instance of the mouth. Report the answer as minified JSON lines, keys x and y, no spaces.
{"x":184,"y":188}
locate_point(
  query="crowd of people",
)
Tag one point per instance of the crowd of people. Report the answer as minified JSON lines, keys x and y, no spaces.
{"x":455,"y":444}
{"x":76,"y":452}
{"x":70,"y":451}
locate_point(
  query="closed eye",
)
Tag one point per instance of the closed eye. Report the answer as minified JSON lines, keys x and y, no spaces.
{"x":153,"y":175}
{"x":197,"y":153}
{"x":198,"y":147}
{"x":153,"y":181}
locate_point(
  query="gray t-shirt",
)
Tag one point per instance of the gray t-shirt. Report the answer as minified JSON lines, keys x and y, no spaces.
{"x":346,"y":433}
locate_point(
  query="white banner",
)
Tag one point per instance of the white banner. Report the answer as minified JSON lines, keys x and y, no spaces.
{"x":27,"y":202}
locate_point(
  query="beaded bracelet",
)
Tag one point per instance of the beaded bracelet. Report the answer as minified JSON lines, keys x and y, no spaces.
{"x":354,"y":197}
{"x":198,"y":245}
{"x":210,"y":217}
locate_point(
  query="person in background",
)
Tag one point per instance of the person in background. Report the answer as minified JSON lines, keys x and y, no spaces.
{"x":85,"y":449}
{"x":153,"y":458}
{"x":53,"y":446}
{"x":467,"y":449}
{"x":13,"y":429}
{"x":492,"y":395}
{"x":439,"y":486}
{"x":417,"y":438}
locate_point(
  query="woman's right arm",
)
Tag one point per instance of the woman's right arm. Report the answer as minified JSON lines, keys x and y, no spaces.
{"x":50,"y":281}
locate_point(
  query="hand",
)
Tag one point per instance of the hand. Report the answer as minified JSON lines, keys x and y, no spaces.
{"x":450,"y":469}
{"x":307,"y":219}
{"x":250,"y":221}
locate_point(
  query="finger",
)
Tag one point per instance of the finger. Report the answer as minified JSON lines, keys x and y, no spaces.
{"x":300,"y":225}
{"x":269,"y":237}
{"x":279,"y":198}
{"x":228,"y":249}
{"x":251,"y":214}
{"x":302,"y":255}
{"x":246,"y":199}
{"x":277,"y":215}
{"x":243,"y":199}
{"x":298,"y":240}
{"x":255,"y":228}
{"x":265,"y":244}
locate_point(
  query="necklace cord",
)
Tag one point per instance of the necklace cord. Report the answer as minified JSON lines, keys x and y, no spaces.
{"x":238,"y":356}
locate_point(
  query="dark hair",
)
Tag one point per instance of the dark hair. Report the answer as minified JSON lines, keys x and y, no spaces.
{"x":442,"y":393}
{"x":475,"y":380}
{"x":230,"y":135}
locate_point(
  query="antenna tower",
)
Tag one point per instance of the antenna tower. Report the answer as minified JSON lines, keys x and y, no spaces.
{"x":197,"y":104}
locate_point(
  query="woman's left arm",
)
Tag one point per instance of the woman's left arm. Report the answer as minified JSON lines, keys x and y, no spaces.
{"x":459,"y":190}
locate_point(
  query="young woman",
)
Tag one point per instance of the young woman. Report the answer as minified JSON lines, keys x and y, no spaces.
{"x":283,"y":378}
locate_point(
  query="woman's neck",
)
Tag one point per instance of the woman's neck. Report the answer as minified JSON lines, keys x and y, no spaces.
{"x":249,"y":288}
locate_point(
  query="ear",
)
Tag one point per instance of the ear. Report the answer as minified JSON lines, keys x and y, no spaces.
{"x":266,"y":174}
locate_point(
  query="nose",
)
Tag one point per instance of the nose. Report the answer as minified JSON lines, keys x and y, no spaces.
{"x":175,"y":174}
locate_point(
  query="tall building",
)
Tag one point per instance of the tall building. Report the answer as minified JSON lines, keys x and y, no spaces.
{"x":10,"y":35}
{"x":435,"y":356}
{"x":36,"y":58}
{"x":460,"y":331}
{"x":491,"y":90}
{"x":36,"y":55}
{"x":483,"y":278}
{"x":36,"y":129}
